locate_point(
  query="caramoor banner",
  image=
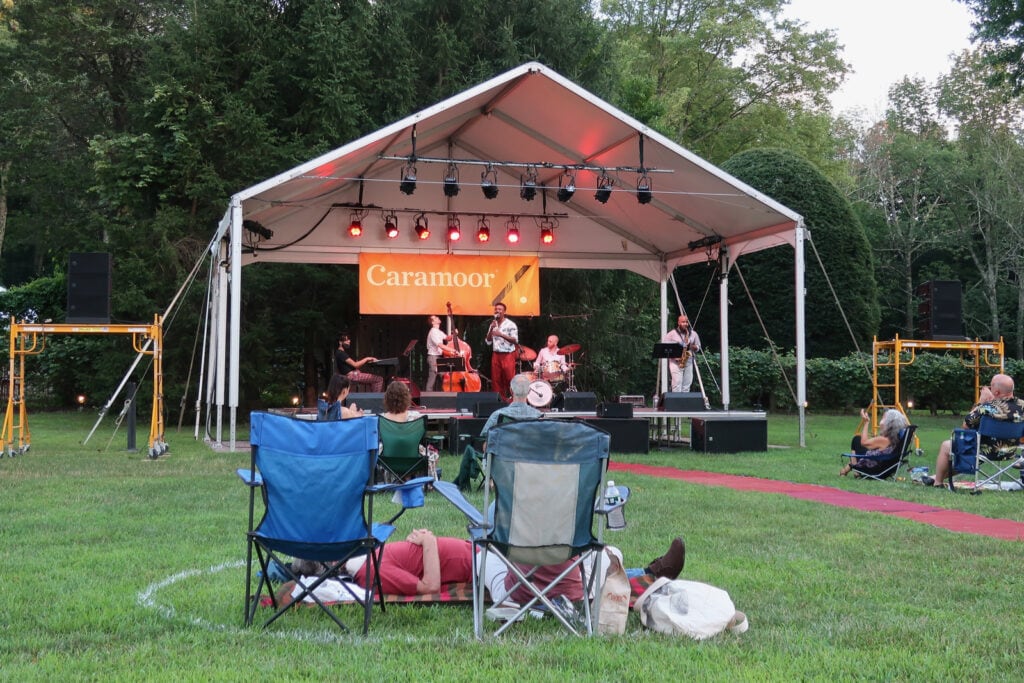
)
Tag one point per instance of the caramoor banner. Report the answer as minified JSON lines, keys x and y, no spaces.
{"x":424,"y":283}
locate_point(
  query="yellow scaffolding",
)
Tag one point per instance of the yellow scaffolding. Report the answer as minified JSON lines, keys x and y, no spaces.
{"x":28,"y":339}
{"x":973,"y":354}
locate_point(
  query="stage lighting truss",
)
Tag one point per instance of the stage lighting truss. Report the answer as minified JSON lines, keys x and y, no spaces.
{"x":422,"y":227}
{"x":528,"y":184}
{"x":483,"y":230}
{"x":604,"y":188}
{"x":454,"y":229}
{"x":512,"y":230}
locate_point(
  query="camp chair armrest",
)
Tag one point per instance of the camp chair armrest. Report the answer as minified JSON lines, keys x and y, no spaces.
{"x":453,"y":495}
{"x":249,"y":477}
{"x":399,"y":486}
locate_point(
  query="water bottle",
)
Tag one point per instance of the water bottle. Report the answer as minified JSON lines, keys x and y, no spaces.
{"x":611,"y":494}
{"x":655,"y":401}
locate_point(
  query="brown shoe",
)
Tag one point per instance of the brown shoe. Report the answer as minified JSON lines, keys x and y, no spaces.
{"x":671,"y":563}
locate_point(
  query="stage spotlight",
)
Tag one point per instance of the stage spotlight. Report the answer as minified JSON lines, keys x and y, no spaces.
{"x":528,"y":185}
{"x":489,"y":183}
{"x":408,"y":185}
{"x":451,"y":181}
{"x":422,"y":228}
{"x":604,"y":188}
{"x":483,"y":231}
{"x":355,"y":225}
{"x":512,"y":231}
{"x":391,"y":226}
{"x":643,"y":190}
{"x":566,"y":187}
{"x":454,"y":229}
{"x":547,"y":235}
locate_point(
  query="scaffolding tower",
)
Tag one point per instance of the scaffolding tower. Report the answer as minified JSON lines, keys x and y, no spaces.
{"x":28,"y":339}
{"x":898,"y":353}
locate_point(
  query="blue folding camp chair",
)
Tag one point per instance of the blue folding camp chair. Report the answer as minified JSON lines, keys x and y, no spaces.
{"x":996,"y":469}
{"x":547,"y":477}
{"x":316,"y":484}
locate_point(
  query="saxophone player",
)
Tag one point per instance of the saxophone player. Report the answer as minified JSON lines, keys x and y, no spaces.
{"x":682,"y":368}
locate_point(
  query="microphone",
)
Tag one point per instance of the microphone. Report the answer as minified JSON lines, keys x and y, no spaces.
{"x":497,"y":315}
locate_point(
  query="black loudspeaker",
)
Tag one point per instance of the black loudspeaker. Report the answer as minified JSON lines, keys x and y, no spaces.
{"x":462,"y":430}
{"x":940,"y":310}
{"x":683,"y":401}
{"x":485,"y":408}
{"x":437,"y":400}
{"x":615,"y":410}
{"x":467,"y":400}
{"x":579,"y":401}
{"x":627,"y":436}
{"x":369,"y":402}
{"x":728,"y":435}
{"x":89,"y":288}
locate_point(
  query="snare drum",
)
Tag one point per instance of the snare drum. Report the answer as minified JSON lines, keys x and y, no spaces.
{"x":552,"y":371}
{"x":532,"y":376}
{"x":540,"y":394}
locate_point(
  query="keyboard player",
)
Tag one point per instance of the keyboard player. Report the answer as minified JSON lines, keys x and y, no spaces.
{"x":347,"y":365}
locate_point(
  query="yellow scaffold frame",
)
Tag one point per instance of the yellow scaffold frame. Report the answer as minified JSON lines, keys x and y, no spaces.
{"x":973,"y":354}
{"x":28,"y":339}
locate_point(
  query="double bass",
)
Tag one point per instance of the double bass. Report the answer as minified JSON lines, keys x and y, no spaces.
{"x":468,"y":380}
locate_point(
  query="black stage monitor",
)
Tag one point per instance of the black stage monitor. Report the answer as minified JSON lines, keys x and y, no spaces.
{"x":672,"y":350}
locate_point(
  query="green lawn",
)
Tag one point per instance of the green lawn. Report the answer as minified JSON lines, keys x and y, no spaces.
{"x":117,"y":567}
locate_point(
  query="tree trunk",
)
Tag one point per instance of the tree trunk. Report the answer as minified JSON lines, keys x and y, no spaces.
{"x":5,"y":170}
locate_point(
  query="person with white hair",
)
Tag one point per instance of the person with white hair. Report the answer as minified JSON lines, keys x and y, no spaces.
{"x":877,"y":451}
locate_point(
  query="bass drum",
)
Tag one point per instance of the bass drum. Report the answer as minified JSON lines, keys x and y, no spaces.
{"x":540,"y":394}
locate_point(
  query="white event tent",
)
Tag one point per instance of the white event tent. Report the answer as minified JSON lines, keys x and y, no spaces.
{"x":527,"y":120}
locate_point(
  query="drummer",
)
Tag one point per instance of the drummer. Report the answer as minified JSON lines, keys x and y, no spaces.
{"x":550,"y":363}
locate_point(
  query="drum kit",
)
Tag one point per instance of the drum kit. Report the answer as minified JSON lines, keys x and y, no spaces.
{"x":551,"y":381}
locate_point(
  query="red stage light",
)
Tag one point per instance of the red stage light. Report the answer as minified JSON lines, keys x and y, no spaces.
{"x":547,"y":236}
{"x":513,"y":235}
{"x":355,"y":228}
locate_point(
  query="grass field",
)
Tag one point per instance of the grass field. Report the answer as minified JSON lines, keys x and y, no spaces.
{"x":116,"y":567}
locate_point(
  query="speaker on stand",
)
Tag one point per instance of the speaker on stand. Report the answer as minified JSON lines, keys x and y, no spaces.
{"x":89,"y":287}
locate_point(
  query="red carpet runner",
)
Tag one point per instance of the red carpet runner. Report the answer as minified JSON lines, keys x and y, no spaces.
{"x":953,"y":520}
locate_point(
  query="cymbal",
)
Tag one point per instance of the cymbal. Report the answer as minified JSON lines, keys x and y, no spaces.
{"x":571,"y":348}
{"x":526,"y":353}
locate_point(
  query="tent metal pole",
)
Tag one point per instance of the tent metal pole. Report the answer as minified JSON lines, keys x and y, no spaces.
{"x":222,"y":336}
{"x":663,"y":290}
{"x":723,"y":321}
{"x":236,"y":313}
{"x":801,"y":330}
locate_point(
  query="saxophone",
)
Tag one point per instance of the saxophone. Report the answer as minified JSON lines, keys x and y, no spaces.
{"x":685,"y":357}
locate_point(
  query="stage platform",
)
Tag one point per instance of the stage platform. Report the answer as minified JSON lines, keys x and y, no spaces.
{"x":709,"y":431}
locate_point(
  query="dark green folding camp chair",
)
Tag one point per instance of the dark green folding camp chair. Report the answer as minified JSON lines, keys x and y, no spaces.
{"x":400,"y":457}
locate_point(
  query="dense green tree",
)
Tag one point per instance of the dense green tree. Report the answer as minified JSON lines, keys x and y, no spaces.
{"x":723,"y":77}
{"x":844,"y":252}
{"x":1000,"y":25}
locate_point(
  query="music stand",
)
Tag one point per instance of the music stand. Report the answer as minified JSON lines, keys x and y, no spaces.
{"x":410,"y":346}
{"x":670,"y":350}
